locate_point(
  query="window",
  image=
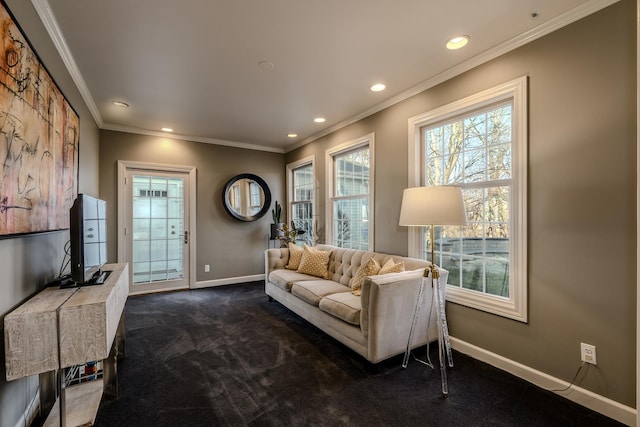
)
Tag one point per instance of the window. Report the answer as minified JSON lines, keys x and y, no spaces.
{"x":236,"y":201}
{"x":350,"y":210}
{"x":255,"y":196}
{"x":300,"y":184}
{"x":479,"y":144}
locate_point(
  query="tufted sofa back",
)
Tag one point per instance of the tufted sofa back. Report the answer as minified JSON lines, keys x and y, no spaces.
{"x":343,"y":262}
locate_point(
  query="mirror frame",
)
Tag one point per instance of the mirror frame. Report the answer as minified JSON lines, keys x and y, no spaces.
{"x":265,"y":189}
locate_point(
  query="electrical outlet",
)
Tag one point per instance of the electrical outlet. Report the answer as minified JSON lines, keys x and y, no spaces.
{"x":588,"y":353}
{"x":206,"y":268}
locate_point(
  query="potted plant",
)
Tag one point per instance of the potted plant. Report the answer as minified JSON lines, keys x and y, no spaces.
{"x":289,"y":234}
{"x":276,"y":227}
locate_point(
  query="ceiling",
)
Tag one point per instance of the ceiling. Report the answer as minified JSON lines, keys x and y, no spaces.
{"x":248,"y":72}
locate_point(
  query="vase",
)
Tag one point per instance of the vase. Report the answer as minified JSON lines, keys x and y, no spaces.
{"x":276,"y":230}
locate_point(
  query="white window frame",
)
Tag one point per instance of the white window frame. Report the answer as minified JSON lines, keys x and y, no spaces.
{"x":364,"y":141}
{"x":310,"y":160}
{"x":515,"y":306}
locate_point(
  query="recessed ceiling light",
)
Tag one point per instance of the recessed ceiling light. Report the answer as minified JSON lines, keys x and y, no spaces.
{"x":292,"y":135}
{"x":319,"y":120}
{"x":457,"y":42}
{"x":121,"y":104}
{"x":377,"y":87}
{"x":167,"y":130}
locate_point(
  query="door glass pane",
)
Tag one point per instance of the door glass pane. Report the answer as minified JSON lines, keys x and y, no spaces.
{"x":141,"y":228}
{"x":158,"y":250}
{"x":174,"y":249}
{"x":141,"y":272}
{"x":175,"y":207}
{"x":174,"y":225}
{"x":141,"y":207}
{"x":143,"y":251}
{"x":159,"y":208}
{"x":158,"y":271}
{"x":158,"y":229}
{"x":174,"y":268}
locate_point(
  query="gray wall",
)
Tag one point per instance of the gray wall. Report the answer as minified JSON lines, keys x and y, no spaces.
{"x":28,"y":263}
{"x":581,"y":198}
{"x":232,"y":248}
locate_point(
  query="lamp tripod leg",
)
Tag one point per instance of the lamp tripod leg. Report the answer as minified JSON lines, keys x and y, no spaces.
{"x":444,"y":343}
{"x":443,"y":317}
{"x":416,"y":312}
{"x":444,"y":349}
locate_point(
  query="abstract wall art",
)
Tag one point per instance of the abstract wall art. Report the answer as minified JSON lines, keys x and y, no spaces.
{"x":39,"y":140}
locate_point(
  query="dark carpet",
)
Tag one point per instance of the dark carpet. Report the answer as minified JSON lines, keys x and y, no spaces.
{"x":225,"y":356}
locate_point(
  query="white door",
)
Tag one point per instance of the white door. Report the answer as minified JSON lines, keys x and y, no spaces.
{"x":157,"y":232}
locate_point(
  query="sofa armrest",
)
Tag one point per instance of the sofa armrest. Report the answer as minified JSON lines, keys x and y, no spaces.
{"x":388,"y":306}
{"x":275,"y":259}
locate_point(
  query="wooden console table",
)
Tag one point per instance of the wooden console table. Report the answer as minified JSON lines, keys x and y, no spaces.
{"x":60,"y":328}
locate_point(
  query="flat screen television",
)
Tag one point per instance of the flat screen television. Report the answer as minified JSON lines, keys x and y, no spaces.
{"x":88,"y":244}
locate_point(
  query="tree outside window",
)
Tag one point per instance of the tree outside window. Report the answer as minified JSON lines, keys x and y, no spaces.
{"x":474,"y":152}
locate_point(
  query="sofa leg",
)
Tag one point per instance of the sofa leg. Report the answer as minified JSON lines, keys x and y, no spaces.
{"x":269,"y":298}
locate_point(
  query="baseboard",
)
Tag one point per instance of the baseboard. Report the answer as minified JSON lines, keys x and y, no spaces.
{"x":30,"y":412}
{"x":228,"y":281}
{"x":584,"y":397}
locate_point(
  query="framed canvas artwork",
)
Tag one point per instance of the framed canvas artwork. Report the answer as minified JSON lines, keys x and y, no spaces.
{"x":39,"y":140}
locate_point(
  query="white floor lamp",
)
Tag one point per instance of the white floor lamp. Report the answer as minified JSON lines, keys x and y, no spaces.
{"x":431,"y":206}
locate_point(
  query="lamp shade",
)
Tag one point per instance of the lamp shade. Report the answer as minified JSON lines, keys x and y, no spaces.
{"x":440,"y":205}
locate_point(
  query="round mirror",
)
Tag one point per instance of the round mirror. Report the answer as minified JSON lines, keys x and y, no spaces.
{"x":246,"y":197}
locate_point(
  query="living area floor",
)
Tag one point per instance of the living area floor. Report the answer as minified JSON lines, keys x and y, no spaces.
{"x":226,"y":356}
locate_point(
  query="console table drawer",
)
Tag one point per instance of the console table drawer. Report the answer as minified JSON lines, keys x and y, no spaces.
{"x":89,"y":319}
{"x":31,"y":334}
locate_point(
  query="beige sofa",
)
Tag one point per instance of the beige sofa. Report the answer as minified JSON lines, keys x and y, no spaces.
{"x":376,"y":324}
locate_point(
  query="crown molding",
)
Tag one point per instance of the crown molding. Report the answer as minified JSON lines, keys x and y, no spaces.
{"x":214,"y":141}
{"x":569,"y":17}
{"x":51,"y":25}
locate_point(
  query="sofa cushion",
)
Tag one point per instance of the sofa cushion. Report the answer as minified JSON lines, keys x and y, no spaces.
{"x":295,"y":256}
{"x":369,"y":268}
{"x":344,"y":305}
{"x":391,"y":267}
{"x":313,"y":291}
{"x":314,"y":262}
{"x":285,"y":278}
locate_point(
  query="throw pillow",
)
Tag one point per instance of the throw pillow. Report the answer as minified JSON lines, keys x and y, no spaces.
{"x":295,"y":256}
{"x":369,"y":268}
{"x":314,"y":262}
{"x":391,"y":267}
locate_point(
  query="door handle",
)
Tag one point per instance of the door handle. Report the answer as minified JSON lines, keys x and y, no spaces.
{"x":186,"y":237}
